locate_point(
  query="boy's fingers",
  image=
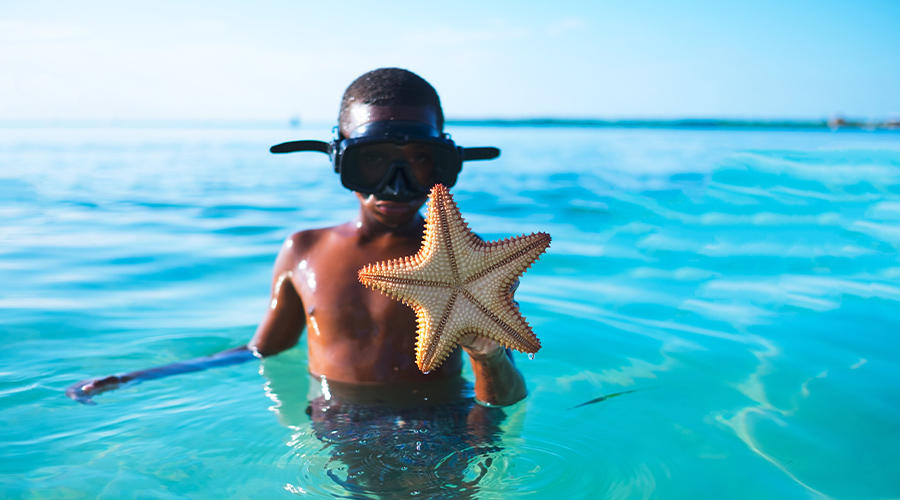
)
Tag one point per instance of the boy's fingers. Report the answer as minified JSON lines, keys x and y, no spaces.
{"x":82,"y":391}
{"x":479,"y":346}
{"x":514,"y":286}
{"x":75,"y":393}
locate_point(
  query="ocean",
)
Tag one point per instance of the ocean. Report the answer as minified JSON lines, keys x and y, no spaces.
{"x":725,"y":300}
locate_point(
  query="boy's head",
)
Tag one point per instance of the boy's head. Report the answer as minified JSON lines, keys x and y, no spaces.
{"x":389,"y":88}
{"x":390,"y":146}
{"x":392,"y":102}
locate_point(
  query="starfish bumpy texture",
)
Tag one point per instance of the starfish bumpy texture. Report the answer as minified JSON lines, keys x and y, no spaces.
{"x":458,"y":284}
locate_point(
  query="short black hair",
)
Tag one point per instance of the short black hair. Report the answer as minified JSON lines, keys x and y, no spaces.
{"x":391,"y":87}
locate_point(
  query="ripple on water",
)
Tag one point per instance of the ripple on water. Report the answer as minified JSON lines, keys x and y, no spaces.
{"x":603,"y":462}
{"x":388,"y":460}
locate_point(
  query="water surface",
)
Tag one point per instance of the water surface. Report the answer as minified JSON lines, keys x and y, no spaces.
{"x":744,"y":284}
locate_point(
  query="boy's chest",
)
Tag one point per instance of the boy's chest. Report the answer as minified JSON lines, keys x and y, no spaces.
{"x":336,"y":302}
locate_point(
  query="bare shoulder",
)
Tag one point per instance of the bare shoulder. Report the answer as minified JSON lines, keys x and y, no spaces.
{"x":301,"y":244}
{"x":308,"y":239}
{"x":303,"y":241}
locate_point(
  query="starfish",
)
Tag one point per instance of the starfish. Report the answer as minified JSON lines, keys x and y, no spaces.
{"x":459,"y":284}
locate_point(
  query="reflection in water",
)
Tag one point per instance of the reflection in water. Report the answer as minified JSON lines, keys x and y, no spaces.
{"x":392,"y":441}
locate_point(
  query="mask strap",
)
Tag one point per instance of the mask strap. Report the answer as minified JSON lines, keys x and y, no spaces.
{"x":294,"y":146}
{"x":469,"y":154}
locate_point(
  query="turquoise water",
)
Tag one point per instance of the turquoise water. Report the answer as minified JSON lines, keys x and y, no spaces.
{"x":743,"y":284}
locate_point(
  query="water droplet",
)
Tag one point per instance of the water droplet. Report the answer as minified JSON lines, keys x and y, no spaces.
{"x":426,"y":373}
{"x":531,"y":355}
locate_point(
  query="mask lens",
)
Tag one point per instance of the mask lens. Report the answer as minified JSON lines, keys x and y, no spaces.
{"x":421,"y":161}
{"x":366,"y":166}
{"x":447,"y":165}
{"x":373,"y":163}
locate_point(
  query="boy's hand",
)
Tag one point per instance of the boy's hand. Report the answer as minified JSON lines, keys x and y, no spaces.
{"x":83,"y":391}
{"x":481,"y":348}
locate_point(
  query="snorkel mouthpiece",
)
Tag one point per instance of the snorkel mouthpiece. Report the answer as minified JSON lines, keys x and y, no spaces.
{"x":398,"y":160}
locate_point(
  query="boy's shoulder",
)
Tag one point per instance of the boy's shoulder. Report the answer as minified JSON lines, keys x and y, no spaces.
{"x":307,"y":239}
{"x":300,"y":245}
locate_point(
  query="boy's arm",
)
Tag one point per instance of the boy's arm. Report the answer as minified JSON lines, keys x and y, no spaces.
{"x":84,"y":390}
{"x":279,"y":330}
{"x":497,"y":380}
{"x":285,"y":318}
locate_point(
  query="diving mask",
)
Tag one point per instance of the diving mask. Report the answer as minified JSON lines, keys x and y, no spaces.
{"x":394,"y":159}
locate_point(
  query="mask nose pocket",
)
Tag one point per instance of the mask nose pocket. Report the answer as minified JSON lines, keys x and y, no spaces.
{"x":398,"y":185}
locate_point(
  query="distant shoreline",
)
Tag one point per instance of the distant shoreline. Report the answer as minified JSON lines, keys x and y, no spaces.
{"x":892,"y":124}
{"x":687,"y":123}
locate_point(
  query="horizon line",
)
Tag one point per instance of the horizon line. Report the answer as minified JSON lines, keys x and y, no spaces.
{"x":836,"y":122}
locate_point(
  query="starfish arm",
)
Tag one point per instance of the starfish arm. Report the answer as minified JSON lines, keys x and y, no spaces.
{"x":438,"y":336}
{"x":438,"y":332}
{"x":400,"y":288}
{"x":502,"y":263}
{"x":510,"y":257}
{"x":498,"y":319}
{"x":446,"y":230}
{"x":419,"y":268}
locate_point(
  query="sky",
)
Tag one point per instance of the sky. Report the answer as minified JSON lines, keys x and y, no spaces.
{"x":274,"y":60}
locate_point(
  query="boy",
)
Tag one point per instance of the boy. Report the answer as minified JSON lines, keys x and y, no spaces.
{"x":361,"y":343}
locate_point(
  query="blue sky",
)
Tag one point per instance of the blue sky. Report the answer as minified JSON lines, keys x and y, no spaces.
{"x":276,"y":59}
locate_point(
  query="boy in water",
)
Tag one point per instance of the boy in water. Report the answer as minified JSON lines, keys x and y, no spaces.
{"x":360,"y":341}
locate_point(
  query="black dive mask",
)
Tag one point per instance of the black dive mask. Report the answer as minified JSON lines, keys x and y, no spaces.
{"x":396,"y":160}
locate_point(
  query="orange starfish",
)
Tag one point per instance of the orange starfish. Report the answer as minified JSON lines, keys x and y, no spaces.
{"x":459,"y":284}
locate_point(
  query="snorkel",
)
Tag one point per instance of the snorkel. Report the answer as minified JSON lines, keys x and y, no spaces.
{"x":397,"y":160}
